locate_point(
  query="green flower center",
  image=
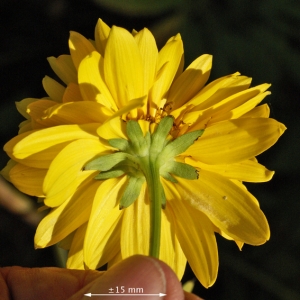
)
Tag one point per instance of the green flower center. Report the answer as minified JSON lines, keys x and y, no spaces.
{"x":146,"y":158}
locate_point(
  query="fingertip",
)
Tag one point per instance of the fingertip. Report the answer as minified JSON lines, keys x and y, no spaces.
{"x":139,"y":274}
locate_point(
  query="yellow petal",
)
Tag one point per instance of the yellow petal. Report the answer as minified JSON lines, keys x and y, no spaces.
{"x":54,"y":89}
{"x":177,"y":37}
{"x":22,"y":106}
{"x":235,"y":140}
{"x":115,"y":127}
{"x":72,"y":93}
{"x":169,"y":58}
{"x":29,"y":143}
{"x":240,"y":110}
{"x":123,"y":68}
{"x":220,"y":89}
{"x":170,"y":249}
{"x":101,"y":36}
{"x":5,"y":171}
{"x":196,"y":236}
{"x":65,"y":172}
{"x":228,"y":206}
{"x":91,"y":82}
{"x":145,"y":126}
{"x":262,"y":111}
{"x":64,"y":68}
{"x":25,"y":126}
{"x":224,"y":235}
{"x":103,"y":232}
{"x":235,"y":105}
{"x":248,"y":170}
{"x":66,"y":242}
{"x":66,"y":218}
{"x":80,"y":47}
{"x":75,"y":255}
{"x":189,"y":83}
{"x":135,"y":234}
{"x":71,"y":113}
{"x":149,"y":53}
{"x":148,"y":49}
{"x":28,"y":180}
{"x":36,"y":110}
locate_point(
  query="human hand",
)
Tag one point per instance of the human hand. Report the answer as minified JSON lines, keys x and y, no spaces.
{"x":150,"y":274}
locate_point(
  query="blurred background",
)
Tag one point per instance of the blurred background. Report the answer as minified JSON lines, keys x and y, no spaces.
{"x":260,"y":39}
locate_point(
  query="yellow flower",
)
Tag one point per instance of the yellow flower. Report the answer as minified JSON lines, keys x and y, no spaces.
{"x":133,"y":155}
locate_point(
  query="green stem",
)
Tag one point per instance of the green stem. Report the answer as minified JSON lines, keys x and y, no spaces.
{"x":152,"y":176}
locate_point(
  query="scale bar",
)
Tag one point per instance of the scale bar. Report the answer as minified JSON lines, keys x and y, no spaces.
{"x":116,"y":295}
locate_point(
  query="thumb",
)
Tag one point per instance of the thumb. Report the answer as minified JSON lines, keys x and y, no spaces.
{"x":137,"y":275}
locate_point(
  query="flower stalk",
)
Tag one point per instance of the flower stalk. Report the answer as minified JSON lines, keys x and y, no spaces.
{"x":151,"y":172}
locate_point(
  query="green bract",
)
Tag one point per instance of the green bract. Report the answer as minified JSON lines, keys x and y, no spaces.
{"x":146,"y":158}
{"x":136,"y":153}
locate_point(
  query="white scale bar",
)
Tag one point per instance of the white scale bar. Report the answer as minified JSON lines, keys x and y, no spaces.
{"x":93,"y":295}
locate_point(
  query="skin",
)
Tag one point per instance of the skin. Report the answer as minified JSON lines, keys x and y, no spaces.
{"x":152,"y":275}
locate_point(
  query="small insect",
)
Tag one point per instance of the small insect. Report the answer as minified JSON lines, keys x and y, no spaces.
{"x":225,"y":197}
